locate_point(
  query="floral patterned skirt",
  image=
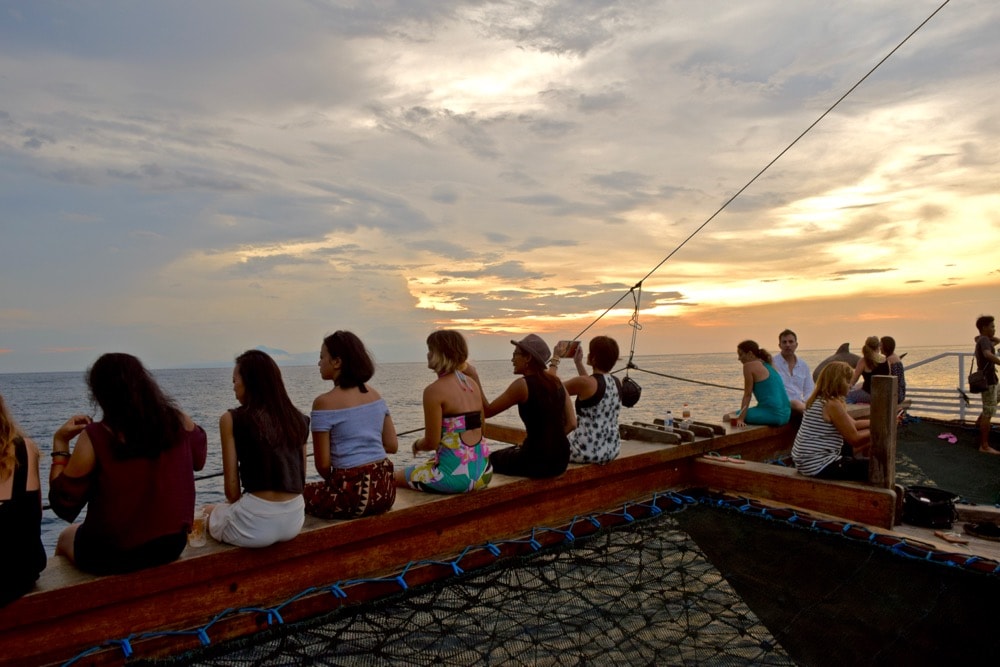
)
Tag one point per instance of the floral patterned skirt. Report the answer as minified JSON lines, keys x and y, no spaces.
{"x":352,"y":492}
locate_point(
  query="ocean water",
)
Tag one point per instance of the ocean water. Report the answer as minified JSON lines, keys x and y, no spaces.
{"x":41,"y":402}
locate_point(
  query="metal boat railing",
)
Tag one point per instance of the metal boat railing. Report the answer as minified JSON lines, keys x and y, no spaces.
{"x":953,"y":403}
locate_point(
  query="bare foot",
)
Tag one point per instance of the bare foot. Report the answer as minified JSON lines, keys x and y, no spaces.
{"x":988,"y":450}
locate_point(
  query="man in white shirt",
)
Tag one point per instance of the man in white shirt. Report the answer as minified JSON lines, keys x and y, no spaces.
{"x":793,"y":371}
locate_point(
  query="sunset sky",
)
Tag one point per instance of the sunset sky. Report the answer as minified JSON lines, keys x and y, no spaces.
{"x":184,"y":180}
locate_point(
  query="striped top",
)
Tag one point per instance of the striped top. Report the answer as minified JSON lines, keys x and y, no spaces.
{"x":818,"y":442}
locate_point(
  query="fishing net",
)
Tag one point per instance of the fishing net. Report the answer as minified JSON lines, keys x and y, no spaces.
{"x":639,"y":594}
{"x":717,"y":580}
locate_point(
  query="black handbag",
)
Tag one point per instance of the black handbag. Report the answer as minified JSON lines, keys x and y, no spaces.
{"x":977,"y":380}
{"x":929,"y":507}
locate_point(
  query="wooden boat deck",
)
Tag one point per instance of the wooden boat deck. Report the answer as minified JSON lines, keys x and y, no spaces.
{"x":71,"y":611}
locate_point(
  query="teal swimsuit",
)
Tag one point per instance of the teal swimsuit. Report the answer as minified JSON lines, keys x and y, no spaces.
{"x":773,"y":408}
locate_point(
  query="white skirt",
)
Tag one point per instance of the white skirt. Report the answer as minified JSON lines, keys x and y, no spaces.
{"x":255,"y":522}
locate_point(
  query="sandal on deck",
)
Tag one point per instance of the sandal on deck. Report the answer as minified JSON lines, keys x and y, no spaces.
{"x":986,"y":530}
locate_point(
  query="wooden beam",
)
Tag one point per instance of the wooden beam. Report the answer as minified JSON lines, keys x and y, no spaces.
{"x":882,"y":465}
{"x":848,"y":500}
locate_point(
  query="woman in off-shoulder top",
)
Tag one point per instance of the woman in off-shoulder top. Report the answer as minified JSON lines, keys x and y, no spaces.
{"x":352,"y":432}
{"x":453,"y":424}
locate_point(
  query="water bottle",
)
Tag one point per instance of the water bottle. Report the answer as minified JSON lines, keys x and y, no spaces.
{"x":668,"y":421}
{"x":685,"y":412}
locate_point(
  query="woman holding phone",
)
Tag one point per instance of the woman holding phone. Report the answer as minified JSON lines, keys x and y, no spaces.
{"x":598,"y":402}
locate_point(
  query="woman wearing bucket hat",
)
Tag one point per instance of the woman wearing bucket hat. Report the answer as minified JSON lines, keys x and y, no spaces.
{"x":544,"y":407}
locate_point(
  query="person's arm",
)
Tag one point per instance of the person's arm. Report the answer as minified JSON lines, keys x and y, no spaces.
{"x":855,"y":432}
{"x":432,"y":420}
{"x":578,"y":360}
{"x":321,"y":453}
{"x":858,"y":368}
{"x":390,"y":442}
{"x":70,"y":480}
{"x":578,"y":385}
{"x":81,"y":462}
{"x":230,"y":462}
{"x":199,"y":445}
{"x":34,"y":481}
{"x":988,"y":354}
{"x":570,"y":414}
{"x":747,"y":395}
{"x":516,"y":393}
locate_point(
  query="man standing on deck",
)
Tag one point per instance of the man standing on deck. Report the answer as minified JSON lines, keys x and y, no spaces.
{"x":793,"y":371}
{"x":986,"y":361}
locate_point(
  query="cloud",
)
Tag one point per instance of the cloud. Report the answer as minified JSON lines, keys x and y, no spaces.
{"x":169,"y":172}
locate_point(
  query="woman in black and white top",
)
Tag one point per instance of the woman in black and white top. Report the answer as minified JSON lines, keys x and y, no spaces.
{"x":598,"y":402}
{"x":831,"y":443}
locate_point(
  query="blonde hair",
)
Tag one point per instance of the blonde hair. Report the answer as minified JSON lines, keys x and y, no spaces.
{"x":832,"y":383}
{"x":449,"y":351}
{"x":870,"y":352}
{"x":8,"y":433}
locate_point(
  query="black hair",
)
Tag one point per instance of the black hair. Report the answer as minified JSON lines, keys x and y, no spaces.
{"x":603,"y":353}
{"x":356,"y":364}
{"x":266,"y":402}
{"x":143,"y":418}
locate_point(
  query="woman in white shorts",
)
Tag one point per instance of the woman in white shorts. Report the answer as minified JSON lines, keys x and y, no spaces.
{"x":263,"y":459}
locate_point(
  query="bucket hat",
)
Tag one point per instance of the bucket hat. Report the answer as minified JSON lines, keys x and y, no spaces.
{"x":534,"y":347}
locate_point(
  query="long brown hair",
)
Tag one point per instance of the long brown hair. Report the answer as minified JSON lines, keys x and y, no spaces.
{"x":8,"y":433}
{"x":756,"y":350}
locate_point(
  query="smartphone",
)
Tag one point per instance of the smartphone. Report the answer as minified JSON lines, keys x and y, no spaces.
{"x":567,"y":348}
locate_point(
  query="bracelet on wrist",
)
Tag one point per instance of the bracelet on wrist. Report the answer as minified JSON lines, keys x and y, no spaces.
{"x":56,"y":455}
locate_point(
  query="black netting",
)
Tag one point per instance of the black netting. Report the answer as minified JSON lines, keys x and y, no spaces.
{"x":641,"y":594}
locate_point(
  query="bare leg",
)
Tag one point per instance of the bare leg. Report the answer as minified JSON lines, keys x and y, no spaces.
{"x":67,"y":538}
{"x":984,"y":434}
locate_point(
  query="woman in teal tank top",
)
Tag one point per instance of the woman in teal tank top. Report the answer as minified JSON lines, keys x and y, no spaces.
{"x":763,"y":382}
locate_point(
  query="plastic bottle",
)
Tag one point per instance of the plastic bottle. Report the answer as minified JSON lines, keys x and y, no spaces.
{"x":668,"y":421}
{"x":685,"y":417}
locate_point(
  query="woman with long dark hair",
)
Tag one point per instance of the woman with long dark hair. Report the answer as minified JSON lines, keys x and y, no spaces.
{"x":760,"y":380}
{"x":544,"y":407}
{"x":263,"y":459}
{"x":352,"y":432}
{"x":133,"y":469}
{"x":20,"y":510}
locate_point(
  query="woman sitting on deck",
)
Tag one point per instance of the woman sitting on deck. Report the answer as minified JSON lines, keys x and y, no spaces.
{"x":893,"y":365}
{"x":545,"y":409}
{"x":20,"y":510}
{"x":134,"y":470}
{"x":598,"y":404}
{"x":352,"y":433}
{"x":820,"y":449}
{"x":868,"y":363}
{"x":453,"y":424}
{"x":762,"y":381}
{"x":263,"y":451}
